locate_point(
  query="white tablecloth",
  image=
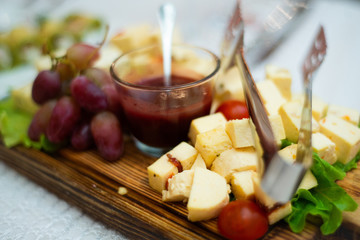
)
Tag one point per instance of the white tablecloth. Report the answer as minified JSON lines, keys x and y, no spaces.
{"x":27,"y":211}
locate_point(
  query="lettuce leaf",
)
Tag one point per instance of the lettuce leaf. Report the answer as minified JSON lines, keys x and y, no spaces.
{"x":285,"y":142}
{"x":327,"y":200}
{"x":348,"y":166}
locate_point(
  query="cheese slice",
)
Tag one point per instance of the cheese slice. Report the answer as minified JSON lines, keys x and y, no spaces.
{"x":281,"y":77}
{"x":271,"y":96}
{"x":242,"y":185}
{"x":347,"y":114}
{"x":279,"y":213}
{"x":324,"y":147}
{"x":208,"y":195}
{"x":345,"y":135}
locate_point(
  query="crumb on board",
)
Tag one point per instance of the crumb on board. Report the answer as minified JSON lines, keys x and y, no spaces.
{"x":122,"y":191}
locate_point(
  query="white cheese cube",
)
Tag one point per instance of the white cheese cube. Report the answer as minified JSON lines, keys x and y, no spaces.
{"x":319,"y":107}
{"x":281,"y":77}
{"x":211,"y":143}
{"x":348,"y":114}
{"x":345,"y":135}
{"x":324,"y":147}
{"x":260,"y":195}
{"x":279,"y":213}
{"x":277,"y":127}
{"x":208,"y":195}
{"x":199,"y":162}
{"x":205,"y":123}
{"x":179,"y":187}
{"x":240,"y":133}
{"x":235,"y":160}
{"x":290,"y":114}
{"x":229,"y":86}
{"x":271,"y":96}
{"x":242,"y":185}
{"x":160,"y":171}
{"x":289,"y":154}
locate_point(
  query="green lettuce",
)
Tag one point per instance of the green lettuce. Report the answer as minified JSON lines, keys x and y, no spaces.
{"x":327,"y":200}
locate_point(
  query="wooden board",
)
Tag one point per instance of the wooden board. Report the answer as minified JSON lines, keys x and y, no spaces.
{"x":84,"y":180}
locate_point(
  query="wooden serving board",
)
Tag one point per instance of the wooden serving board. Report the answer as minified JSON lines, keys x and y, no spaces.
{"x":87,"y":181}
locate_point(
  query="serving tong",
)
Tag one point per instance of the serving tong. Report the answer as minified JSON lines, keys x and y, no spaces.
{"x":280,"y":178}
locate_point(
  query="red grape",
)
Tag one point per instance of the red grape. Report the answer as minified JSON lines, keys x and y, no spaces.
{"x":82,"y":55}
{"x":46,"y":86}
{"x":113,"y":99}
{"x":88,"y":95}
{"x":107,"y":133}
{"x":63,"y":120}
{"x":40,"y":120}
{"x":98,"y":76}
{"x":81,"y":138}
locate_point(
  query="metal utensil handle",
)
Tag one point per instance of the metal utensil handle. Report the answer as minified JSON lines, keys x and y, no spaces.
{"x":257,"y":111}
{"x":311,"y":63}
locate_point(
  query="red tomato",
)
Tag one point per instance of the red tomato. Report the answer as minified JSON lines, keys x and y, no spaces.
{"x":242,"y":219}
{"x":233,"y":109}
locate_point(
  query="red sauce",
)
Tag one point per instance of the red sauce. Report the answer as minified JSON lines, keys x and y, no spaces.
{"x":149,"y":117}
{"x":175,"y":162}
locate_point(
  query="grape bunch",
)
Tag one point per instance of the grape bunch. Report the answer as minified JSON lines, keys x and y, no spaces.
{"x":79,"y":104}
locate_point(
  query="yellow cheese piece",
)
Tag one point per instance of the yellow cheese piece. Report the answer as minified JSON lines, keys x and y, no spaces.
{"x":208,"y":196}
{"x":211,"y":143}
{"x":345,"y":135}
{"x":239,"y":131}
{"x":279,"y":213}
{"x":348,"y":114}
{"x":205,"y":123}
{"x":235,"y":160}
{"x":271,"y":96}
{"x":160,"y":171}
{"x":241,"y":135}
{"x":290,"y":113}
{"x":179,"y":187}
{"x":242,"y":185}
{"x":281,"y":77}
{"x":229,"y":86}
{"x":23,"y":100}
{"x":199,"y":162}
{"x":260,"y":195}
{"x":319,"y":107}
{"x":289,"y":154}
{"x":324,"y":147}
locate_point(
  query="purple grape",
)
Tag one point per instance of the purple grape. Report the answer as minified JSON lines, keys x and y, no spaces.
{"x":46,"y":86}
{"x":107,"y":133}
{"x":40,"y":120}
{"x":81,"y":138}
{"x":63,"y":120}
{"x":88,"y":95}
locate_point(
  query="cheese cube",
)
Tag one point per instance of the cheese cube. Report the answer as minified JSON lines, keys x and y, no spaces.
{"x":324,"y":147}
{"x":319,"y":107}
{"x":242,"y":185}
{"x":235,"y":160}
{"x":160,"y":171}
{"x":205,"y":123}
{"x":211,"y":143}
{"x":179,"y":187}
{"x":199,"y":162}
{"x":279,"y":213}
{"x":348,"y":114}
{"x":345,"y":135}
{"x":240,"y":133}
{"x":229,"y":86}
{"x":260,"y":195}
{"x":289,"y":154}
{"x":208,"y":195}
{"x":271,"y":96}
{"x":290,"y":114}
{"x":281,"y":78}
{"x":277,"y":127}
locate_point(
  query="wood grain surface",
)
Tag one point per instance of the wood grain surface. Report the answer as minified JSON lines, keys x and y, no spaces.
{"x":85,"y":180}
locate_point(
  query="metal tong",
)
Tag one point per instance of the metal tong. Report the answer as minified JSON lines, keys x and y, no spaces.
{"x":280,"y":178}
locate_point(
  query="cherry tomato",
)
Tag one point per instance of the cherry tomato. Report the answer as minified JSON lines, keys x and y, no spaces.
{"x":233,"y":109}
{"x":242,"y":219}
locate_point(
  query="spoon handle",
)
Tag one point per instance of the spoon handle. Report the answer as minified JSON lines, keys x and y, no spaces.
{"x":166,"y":17}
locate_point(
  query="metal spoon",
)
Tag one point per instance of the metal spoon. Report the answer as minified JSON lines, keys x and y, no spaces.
{"x":166,"y":17}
